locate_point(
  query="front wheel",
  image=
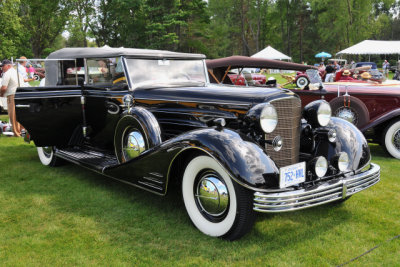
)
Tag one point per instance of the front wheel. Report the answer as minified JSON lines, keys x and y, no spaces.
{"x":391,"y":139}
{"x":47,"y":156}
{"x":216,"y":204}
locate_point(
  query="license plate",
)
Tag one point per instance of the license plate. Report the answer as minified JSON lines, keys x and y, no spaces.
{"x":292,"y":174}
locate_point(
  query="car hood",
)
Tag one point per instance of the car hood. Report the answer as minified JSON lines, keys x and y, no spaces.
{"x":213,"y":94}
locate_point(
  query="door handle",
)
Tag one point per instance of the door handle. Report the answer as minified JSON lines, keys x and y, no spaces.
{"x":22,"y":106}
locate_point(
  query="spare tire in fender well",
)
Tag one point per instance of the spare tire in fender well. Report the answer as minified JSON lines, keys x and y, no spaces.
{"x":354,"y":105}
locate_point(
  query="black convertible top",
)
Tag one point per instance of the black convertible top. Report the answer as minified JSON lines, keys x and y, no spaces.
{"x":106,"y":51}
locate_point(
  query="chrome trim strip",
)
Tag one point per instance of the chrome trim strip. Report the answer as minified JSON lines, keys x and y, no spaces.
{"x":188,"y":101}
{"x":328,"y":191}
{"x":151,"y":185}
{"x":22,"y":106}
{"x":206,"y":71}
{"x":34,"y":97}
{"x":126,"y":72}
{"x":157,"y":174}
{"x":154,"y":180}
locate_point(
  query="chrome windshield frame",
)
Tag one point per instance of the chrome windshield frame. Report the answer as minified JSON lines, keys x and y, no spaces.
{"x":129,"y":79}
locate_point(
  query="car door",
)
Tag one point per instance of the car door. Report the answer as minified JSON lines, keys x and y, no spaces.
{"x":103,"y":95}
{"x":49,"y":114}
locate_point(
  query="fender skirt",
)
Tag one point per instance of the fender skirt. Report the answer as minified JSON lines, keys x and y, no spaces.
{"x":244,"y":160}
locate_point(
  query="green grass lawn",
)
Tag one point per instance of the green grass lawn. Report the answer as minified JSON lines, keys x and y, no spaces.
{"x":4,"y":117}
{"x":69,"y":216}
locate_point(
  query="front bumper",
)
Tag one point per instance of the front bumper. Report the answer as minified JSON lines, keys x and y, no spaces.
{"x":325,"y":192}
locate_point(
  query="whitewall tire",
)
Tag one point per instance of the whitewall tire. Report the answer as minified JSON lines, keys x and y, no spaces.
{"x":302,"y":82}
{"x":217,"y":205}
{"x":391,"y":139}
{"x":47,"y":156}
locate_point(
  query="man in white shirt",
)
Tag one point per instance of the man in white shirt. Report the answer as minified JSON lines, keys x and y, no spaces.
{"x":8,"y":88}
{"x":22,"y":70}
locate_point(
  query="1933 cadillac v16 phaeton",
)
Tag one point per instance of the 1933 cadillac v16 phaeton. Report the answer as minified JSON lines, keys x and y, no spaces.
{"x":152,"y":119}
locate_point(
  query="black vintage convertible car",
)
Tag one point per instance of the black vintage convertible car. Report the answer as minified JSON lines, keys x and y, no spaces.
{"x":153,"y":120}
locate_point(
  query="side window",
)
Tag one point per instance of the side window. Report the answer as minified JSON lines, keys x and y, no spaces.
{"x":31,"y":72}
{"x":70,"y":73}
{"x":105,"y":72}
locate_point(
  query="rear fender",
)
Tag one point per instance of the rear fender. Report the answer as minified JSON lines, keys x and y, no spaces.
{"x":244,"y":160}
{"x":382,"y":119}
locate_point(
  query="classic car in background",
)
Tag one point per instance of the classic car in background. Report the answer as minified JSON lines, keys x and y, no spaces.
{"x":373,"y":107}
{"x":219,"y":69}
{"x":246,"y":77}
{"x":231,"y":152}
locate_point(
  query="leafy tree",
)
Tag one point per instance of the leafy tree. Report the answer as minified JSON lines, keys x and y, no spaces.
{"x":43,"y":21}
{"x":11,"y":31}
{"x":119,"y":23}
{"x":81,"y":14}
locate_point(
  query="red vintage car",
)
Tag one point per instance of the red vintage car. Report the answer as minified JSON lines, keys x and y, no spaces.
{"x":247,"y":78}
{"x":373,"y":107}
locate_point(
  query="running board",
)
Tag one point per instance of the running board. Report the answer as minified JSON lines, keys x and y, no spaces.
{"x":88,"y":158}
{"x":99,"y":162}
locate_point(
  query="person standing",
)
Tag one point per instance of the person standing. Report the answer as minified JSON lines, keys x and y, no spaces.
{"x":22,"y":70}
{"x":330,"y":70}
{"x":8,"y":88}
{"x":385,"y":68}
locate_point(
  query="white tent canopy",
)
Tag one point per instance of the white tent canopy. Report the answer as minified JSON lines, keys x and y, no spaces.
{"x":372,"y":47}
{"x":271,"y":53}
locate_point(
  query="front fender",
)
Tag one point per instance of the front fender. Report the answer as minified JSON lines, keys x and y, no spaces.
{"x":244,"y":160}
{"x":349,"y":139}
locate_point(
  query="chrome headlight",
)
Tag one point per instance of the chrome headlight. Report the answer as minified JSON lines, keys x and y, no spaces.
{"x":324,"y":113}
{"x":319,"y":166}
{"x":318,"y":113}
{"x":341,"y":161}
{"x":268,"y":118}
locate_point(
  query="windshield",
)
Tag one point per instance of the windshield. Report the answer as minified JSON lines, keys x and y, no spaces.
{"x":153,"y":72}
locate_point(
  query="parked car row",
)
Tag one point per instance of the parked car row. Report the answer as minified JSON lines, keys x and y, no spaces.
{"x":231,"y":152}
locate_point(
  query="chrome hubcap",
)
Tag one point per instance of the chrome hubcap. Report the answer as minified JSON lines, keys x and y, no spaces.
{"x":47,"y":150}
{"x":133,"y":144}
{"x":347,"y":114}
{"x":212,"y":195}
{"x":396,"y":139}
{"x":302,"y":81}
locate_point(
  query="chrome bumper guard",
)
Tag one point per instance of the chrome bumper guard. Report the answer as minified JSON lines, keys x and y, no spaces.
{"x":325,"y":192}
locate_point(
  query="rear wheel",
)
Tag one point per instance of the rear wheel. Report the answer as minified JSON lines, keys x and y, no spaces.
{"x":47,"y":156}
{"x":391,"y":139}
{"x":216,"y":204}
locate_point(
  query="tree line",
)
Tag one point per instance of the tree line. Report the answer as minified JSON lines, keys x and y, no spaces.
{"x":217,"y":28}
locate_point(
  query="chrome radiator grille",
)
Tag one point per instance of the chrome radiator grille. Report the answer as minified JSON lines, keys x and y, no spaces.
{"x":289,"y":116}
